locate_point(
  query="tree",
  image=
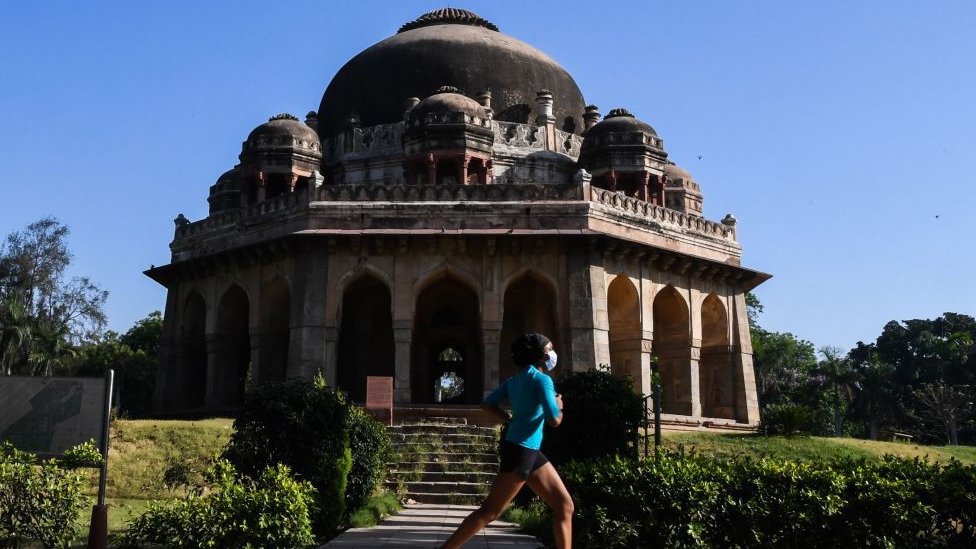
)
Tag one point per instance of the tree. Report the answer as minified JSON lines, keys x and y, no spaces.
{"x":839,"y":376}
{"x":15,"y":333}
{"x":945,"y":408}
{"x":874,"y":401}
{"x":784,"y":368}
{"x":58,"y":313}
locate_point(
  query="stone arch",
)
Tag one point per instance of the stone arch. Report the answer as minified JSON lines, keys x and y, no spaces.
{"x":623,"y":315}
{"x":366,"y":346}
{"x":233,"y":360}
{"x":446,"y":270}
{"x":275,"y":330}
{"x":192,"y":385}
{"x":447,"y":315}
{"x":717,"y":379}
{"x":529,"y":305}
{"x":672,"y":345}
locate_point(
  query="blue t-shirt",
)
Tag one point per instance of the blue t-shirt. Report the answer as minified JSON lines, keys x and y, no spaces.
{"x":532,"y":396}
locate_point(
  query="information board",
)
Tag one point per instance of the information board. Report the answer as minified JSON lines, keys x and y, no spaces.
{"x":48,"y":415}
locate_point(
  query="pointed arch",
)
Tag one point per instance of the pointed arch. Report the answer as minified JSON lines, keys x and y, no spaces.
{"x":446,"y":270}
{"x":233,"y":361}
{"x":192,"y":384}
{"x":672,"y":345}
{"x":447,"y":315}
{"x":623,"y":314}
{"x":366,"y":346}
{"x":275,"y":330}
{"x":528,"y":305}
{"x":717,"y":379}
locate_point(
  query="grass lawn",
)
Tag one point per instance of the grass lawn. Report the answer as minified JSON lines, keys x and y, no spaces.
{"x":806,"y":448}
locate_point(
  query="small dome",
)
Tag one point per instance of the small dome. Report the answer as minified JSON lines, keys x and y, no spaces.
{"x":674,"y":171}
{"x":448,"y":100}
{"x":229,"y":175}
{"x":620,"y":121}
{"x":283,"y":131}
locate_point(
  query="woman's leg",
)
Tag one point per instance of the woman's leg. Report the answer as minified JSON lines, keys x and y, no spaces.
{"x":546,"y":484}
{"x":502,"y":492}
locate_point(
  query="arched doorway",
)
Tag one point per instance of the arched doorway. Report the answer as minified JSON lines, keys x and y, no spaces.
{"x":447,"y":317}
{"x":623,"y":312}
{"x":672,"y":345}
{"x":234,"y":348}
{"x":366,"y":345}
{"x":716,"y":379}
{"x":192,"y":384}
{"x":275,"y":331}
{"x":529,"y":306}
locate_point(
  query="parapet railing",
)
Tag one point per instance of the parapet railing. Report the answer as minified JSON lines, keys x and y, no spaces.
{"x":652,"y":212}
{"x":575,"y":191}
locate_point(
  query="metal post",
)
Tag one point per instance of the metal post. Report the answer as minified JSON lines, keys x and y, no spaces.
{"x":98,"y":528}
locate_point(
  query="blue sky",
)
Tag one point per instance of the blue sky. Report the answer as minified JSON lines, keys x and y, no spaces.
{"x":840,"y":134}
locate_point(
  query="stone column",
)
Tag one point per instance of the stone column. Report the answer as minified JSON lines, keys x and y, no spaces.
{"x":431,"y":169}
{"x":254,"y":338}
{"x":330,"y":364}
{"x":168,"y":378}
{"x":694,"y":380}
{"x":645,"y":177}
{"x":213,"y":379}
{"x":306,"y":351}
{"x":492,"y":338}
{"x":588,"y":327}
{"x":746,"y":397}
{"x":402,"y":340}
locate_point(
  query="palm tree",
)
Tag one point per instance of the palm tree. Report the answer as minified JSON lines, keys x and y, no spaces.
{"x":50,"y":352}
{"x":839,"y":375}
{"x":15,"y":333}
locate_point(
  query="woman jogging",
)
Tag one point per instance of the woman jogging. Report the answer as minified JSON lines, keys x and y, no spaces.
{"x":533,"y":400}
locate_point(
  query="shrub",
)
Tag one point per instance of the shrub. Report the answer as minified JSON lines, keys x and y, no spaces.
{"x":601,"y":416}
{"x":371,"y":450}
{"x":304,"y":426}
{"x":786,"y":419}
{"x":682,"y":500}
{"x":38,"y":502}
{"x":270,"y":511}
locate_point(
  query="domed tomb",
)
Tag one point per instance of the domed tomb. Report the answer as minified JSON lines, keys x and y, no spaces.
{"x":456,"y":47}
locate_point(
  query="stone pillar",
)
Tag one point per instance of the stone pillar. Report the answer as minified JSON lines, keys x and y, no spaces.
{"x":261,"y":189}
{"x":402,"y":340}
{"x":612,"y":178}
{"x":588,"y":323}
{"x":644,"y":178}
{"x":489,"y":172}
{"x":255,"y":373}
{"x":746,"y":398}
{"x":330,"y":365}
{"x":492,"y":338}
{"x":694,"y":380}
{"x":431,"y":169}
{"x":213,"y":380}
{"x":293,"y":180}
{"x":168,"y":378}
{"x":644,"y":379}
{"x":306,"y":352}
{"x":463,"y":170}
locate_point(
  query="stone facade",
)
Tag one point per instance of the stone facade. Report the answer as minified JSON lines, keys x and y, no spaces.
{"x":415,"y":246}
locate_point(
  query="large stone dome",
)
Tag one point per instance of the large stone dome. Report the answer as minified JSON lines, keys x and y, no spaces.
{"x":449,"y":47}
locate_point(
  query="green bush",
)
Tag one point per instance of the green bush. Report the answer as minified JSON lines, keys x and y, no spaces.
{"x":786,"y":419}
{"x":273,"y":510}
{"x":682,"y":500}
{"x":371,"y":450}
{"x":39,"y":502}
{"x":601,"y":416}
{"x":304,"y":426}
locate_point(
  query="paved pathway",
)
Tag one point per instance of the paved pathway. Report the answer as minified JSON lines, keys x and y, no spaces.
{"x":427,"y":525}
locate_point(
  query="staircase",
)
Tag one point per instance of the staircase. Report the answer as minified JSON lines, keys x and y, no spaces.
{"x":443,"y":460}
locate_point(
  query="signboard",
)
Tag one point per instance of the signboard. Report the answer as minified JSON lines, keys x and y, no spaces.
{"x":48,"y":415}
{"x":379,"y":394}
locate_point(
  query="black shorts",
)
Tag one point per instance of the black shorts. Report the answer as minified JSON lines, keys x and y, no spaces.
{"x":519,"y":460}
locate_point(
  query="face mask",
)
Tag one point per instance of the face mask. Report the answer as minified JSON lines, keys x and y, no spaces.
{"x":550,"y":361}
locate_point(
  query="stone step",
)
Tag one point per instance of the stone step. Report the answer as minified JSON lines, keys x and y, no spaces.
{"x":449,"y":487}
{"x":445,"y":466}
{"x":449,"y":448}
{"x":446,"y":457}
{"x":423,"y":428}
{"x":478,"y":477}
{"x":448,"y":499}
{"x":408,"y":438}
{"x":442,"y":420}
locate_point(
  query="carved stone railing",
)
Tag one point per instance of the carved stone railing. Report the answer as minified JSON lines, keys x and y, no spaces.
{"x":569,"y":143}
{"x":447,"y":193}
{"x":289,"y":201}
{"x":664,"y":216}
{"x":523,"y":136}
{"x":374,"y":140}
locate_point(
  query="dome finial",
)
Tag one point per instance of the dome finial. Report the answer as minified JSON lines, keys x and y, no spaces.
{"x":448,"y":16}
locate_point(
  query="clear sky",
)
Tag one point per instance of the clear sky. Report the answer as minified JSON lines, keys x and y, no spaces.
{"x":842,"y":135}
